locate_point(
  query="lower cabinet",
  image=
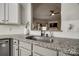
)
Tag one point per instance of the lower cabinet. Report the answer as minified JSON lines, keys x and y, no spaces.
{"x":15,"y":50}
{"x":43,"y":51}
{"x":63,"y":54}
{"x":25,"y":45}
{"x":28,"y":49}
{"x":36,"y":54}
{"x":24,"y":52}
{"x":24,"y":49}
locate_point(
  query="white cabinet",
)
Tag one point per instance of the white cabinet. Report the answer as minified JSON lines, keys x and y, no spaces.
{"x":1,"y":12}
{"x":14,"y":13}
{"x":15,"y":48}
{"x":10,"y":13}
{"x":24,"y":49}
{"x":44,"y":51}
{"x":24,"y":52}
{"x":25,"y":45}
{"x":15,"y":42}
{"x":63,"y":54}
{"x":36,"y":54}
{"x":6,"y":11}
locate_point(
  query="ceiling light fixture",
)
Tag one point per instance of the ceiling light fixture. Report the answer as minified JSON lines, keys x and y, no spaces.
{"x":52,"y":12}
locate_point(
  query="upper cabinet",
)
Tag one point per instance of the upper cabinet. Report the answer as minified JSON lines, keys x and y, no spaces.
{"x":10,"y":13}
{"x":1,"y":13}
{"x":14,"y":13}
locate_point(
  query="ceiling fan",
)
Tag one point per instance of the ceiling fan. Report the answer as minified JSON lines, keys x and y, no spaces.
{"x":52,"y":12}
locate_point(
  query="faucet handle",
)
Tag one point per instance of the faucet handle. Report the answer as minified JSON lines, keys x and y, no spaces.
{"x":51,"y":39}
{"x":46,"y":35}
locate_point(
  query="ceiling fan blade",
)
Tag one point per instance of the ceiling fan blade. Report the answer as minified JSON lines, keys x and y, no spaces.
{"x":51,"y":11}
{"x":57,"y":13}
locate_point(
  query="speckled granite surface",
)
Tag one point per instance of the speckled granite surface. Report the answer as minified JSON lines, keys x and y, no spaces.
{"x":68,"y":46}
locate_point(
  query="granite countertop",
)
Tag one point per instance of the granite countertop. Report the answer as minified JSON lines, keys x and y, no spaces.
{"x":67,"y":46}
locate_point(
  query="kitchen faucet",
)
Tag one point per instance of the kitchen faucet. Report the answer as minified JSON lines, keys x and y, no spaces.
{"x":51,"y":36}
{"x":51,"y":33}
{"x":43,"y":30}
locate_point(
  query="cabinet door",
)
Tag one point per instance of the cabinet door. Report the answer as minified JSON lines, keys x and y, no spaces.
{"x":6,"y":12}
{"x":2,"y":13}
{"x":15,"y":42}
{"x":44,"y":51}
{"x":35,"y":54}
{"x":15,"y":50}
{"x":63,"y":54}
{"x":25,"y":45}
{"x":13,"y":17}
{"x":24,"y":52}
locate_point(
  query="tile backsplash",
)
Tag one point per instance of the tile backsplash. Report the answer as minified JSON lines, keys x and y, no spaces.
{"x":11,"y":29}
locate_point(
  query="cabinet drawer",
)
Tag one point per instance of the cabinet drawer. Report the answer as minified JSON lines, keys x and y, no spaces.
{"x":15,"y":42}
{"x":44,"y":51}
{"x":25,"y":45}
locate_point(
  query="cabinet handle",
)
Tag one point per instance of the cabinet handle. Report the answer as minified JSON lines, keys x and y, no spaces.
{"x":6,"y":20}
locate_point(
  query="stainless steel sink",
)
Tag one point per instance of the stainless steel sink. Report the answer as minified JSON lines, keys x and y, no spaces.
{"x":40,"y":38}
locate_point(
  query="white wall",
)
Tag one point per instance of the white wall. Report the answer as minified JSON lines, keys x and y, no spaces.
{"x":69,"y":15}
{"x":26,"y":16}
{"x":11,"y":29}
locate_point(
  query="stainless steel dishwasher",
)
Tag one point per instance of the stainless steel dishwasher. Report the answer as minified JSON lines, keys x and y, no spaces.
{"x":4,"y":47}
